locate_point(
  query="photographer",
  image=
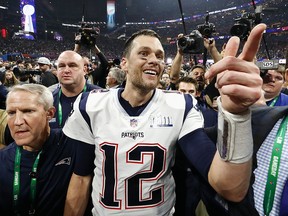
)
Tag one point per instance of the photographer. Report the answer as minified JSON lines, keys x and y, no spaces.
{"x":206,"y":92}
{"x":210,"y":45}
{"x":47,"y":77}
{"x":176,"y":64}
{"x":100,"y":73}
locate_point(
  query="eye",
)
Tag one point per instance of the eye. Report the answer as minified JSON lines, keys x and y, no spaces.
{"x":74,"y":65}
{"x":278,"y":78}
{"x":143,"y":53}
{"x":28,"y":111}
{"x":10,"y":113}
{"x":61,"y":65}
{"x":160,"y":57}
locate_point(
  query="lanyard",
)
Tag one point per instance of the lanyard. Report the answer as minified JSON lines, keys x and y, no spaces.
{"x":16,"y":182}
{"x":274,"y":167}
{"x":274,"y":101}
{"x":60,"y":114}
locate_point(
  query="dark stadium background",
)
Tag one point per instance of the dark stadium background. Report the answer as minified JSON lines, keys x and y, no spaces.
{"x":51,"y":14}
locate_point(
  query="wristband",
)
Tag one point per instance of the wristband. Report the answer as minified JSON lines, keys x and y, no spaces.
{"x":234,"y":139}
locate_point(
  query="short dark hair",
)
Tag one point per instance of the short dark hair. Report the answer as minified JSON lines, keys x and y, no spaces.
{"x":186,"y":79}
{"x":128,"y":43}
{"x":197,"y":66}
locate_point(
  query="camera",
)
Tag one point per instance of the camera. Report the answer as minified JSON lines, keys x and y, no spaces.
{"x":243,"y":26}
{"x":192,"y":43}
{"x":245,"y":23}
{"x":266,"y":65}
{"x":20,"y":73}
{"x":206,"y":29}
{"x":88,"y":34}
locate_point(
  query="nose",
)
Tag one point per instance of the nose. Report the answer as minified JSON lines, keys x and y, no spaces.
{"x":271,"y":78}
{"x":19,"y":120}
{"x":154,"y":60}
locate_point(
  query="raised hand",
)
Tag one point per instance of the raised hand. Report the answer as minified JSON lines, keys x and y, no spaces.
{"x":238,"y":78}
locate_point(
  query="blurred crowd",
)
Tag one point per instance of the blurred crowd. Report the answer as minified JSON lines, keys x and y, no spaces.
{"x":274,"y":15}
{"x":69,"y":67}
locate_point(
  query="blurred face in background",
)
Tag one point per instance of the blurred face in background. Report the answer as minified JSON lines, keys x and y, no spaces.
{"x":187,"y":88}
{"x":21,"y":66}
{"x":286,"y":74}
{"x":28,"y":66}
{"x":165,"y":77}
{"x":272,"y":84}
{"x":110,"y":80}
{"x":198,"y":75}
{"x":9,"y":75}
{"x":43,"y":67}
{"x":86,"y":65}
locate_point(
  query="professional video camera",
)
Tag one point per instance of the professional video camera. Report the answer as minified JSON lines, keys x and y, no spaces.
{"x":22,"y":73}
{"x":192,"y":43}
{"x":245,"y":23}
{"x":88,"y":34}
{"x":266,"y":65}
{"x":206,"y":29}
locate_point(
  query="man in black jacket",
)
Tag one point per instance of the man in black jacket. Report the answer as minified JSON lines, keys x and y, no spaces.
{"x":47,"y":77}
{"x":266,"y":122}
{"x":100,"y":73}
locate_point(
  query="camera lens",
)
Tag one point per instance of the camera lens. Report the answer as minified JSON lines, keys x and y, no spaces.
{"x":182,"y":42}
{"x":240,"y":30}
{"x":206,"y":32}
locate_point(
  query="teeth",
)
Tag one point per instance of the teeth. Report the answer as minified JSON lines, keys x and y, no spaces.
{"x":150,"y":72}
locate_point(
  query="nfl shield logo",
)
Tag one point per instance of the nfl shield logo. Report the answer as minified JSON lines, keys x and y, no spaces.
{"x":133,"y":123}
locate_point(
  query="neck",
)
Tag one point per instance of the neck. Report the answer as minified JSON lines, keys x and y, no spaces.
{"x":71,"y":91}
{"x":201,"y":87}
{"x":32,"y":149}
{"x":136,"y":98}
{"x":269,"y":97}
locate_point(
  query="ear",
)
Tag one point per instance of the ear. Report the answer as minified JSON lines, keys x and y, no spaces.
{"x":84,"y":71}
{"x":124,"y":64}
{"x":50,"y":113}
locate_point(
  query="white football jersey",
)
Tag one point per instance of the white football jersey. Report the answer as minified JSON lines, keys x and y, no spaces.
{"x":133,"y":154}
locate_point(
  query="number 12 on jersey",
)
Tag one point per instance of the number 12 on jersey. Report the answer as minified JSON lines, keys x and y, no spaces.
{"x":134,"y":184}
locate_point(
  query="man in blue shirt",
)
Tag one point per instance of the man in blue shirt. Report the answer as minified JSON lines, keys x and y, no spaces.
{"x":35,"y":169}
